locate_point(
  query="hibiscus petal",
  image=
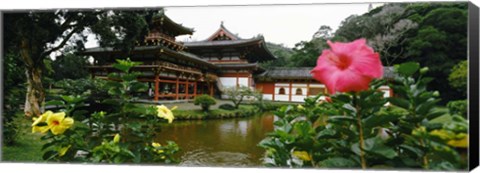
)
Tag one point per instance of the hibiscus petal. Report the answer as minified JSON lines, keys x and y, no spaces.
{"x":67,"y":122}
{"x":351,"y":81}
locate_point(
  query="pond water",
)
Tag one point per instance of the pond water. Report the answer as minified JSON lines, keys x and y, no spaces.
{"x":220,"y":142}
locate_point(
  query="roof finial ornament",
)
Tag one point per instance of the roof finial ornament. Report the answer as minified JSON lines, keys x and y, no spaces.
{"x":221,"y":23}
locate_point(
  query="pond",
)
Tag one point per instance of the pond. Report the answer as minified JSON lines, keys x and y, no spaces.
{"x":221,"y":142}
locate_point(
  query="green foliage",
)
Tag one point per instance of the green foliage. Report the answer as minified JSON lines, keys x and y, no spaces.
{"x":227,"y":106}
{"x":91,"y":138}
{"x":69,"y":66}
{"x":458,"y":107}
{"x":433,"y":34}
{"x":357,"y":130}
{"x":458,"y":77}
{"x":14,"y":95}
{"x":282,"y":53}
{"x":205,"y":101}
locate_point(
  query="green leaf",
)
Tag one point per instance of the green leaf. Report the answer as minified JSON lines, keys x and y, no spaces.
{"x":379,"y":120}
{"x":400,"y":102}
{"x":408,"y":68}
{"x":49,"y":155}
{"x":340,"y":118}
{"x":122,"y":67}
{"x":376,"y":145}
{"x":338,"y":162}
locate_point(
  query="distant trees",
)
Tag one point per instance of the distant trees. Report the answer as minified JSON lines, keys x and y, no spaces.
{"x":433,"y":34}
{"x":69,"y":66}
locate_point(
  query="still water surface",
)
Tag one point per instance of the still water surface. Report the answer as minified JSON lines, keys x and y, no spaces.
{"x":225,"y":143}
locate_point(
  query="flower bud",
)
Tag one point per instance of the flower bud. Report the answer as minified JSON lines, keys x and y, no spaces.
{"x":116,"y":139}
{"x":436,"y":94}
{"x":300,"y":107}
{"x":424,"y":70}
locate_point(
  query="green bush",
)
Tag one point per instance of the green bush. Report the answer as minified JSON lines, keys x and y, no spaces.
{"x":205,"y":101}
{"x":458,"y":107}
{"x":227,"y":106}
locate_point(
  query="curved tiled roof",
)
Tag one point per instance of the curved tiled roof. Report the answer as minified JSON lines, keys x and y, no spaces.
{"x":304,"y":73}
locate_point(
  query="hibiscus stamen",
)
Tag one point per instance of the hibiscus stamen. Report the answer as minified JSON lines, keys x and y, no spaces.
{"x":340,"y":61}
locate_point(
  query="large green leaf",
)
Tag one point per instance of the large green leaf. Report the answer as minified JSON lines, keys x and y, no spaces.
{"x":338,"y":162}
{"x":380,"y":120}
{"x":408,"y":68}
{"x":400,"y":102}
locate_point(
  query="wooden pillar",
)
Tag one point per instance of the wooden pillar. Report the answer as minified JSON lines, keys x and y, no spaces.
{"x":186,"y":89}
{"x":237,"y":81}
{"x":157,"y":85}
{"x":176,"y":88}
{"x":290,"y":92}
{"x":273,"y":95}
{"x":195,"y":89}
{"x":308,"y":88}
{"x":210,"y":87}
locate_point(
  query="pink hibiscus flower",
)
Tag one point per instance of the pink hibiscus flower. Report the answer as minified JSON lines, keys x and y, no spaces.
{"x":348,"y":66}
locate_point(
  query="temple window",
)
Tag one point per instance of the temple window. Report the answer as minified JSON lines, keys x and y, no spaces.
{"x":299,"y":91}
{"x":281,"y":91}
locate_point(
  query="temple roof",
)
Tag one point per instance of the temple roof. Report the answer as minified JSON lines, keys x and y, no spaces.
{"x":304,"y":73}
{"x":253,"y":66}
{"x":222,"y":32}
{"x":221,"y":43}
{"x":175,"y":28}
{"x":154,"y":49}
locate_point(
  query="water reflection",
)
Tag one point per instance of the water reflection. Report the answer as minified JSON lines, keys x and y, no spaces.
{"x":230,"y":142}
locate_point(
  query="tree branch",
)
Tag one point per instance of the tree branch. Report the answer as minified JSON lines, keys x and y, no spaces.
{"x":65,"y":40}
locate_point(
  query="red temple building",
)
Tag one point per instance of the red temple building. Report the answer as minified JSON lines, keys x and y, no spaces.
{"x":177,"y":71}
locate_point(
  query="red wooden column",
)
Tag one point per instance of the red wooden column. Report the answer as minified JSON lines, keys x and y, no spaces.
{"x":186,"y":89}
{"x":210,"y":87}
{"x":308,"y":88}
{"x":157,"y":85}
{"x":176,"y":88}
{"x":195,"y":89}
{"x":290,"y":92}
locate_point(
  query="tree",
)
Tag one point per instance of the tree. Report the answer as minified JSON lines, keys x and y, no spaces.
{"x":458,"y":77}
{"x":238,"y":94}
{"x":35,"y":35}
{"x":282,"y":53}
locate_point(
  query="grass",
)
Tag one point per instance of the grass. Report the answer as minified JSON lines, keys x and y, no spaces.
{"x":242,"y":111}
{"x":27,"y":148}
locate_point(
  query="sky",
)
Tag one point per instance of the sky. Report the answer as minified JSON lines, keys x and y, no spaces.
{"x":281,"y":24}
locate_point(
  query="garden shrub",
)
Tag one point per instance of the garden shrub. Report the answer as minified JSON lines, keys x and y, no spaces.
{"x":227,"y":106}
{"x":125,"y":133}
{"x":458,"y":107}
{"x":356,"y":130}
{"x":205,"y":101}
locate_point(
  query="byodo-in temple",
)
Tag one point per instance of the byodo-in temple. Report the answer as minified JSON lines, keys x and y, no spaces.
{"x":177,"y":70}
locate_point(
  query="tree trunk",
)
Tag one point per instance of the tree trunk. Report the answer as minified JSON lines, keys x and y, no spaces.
{"x":35,"y":93}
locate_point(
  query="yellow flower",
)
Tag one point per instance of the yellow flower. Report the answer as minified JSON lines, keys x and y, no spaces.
{"x":58,"y":123}
{"x":165,"y":113}
{"x":302,"y":155}
{"x":300,"y":107}
{"x":154,"y":144}
{"x":41,"y":119}
{"x":63,"y":150}
{"x":460,"y":142}
{"x":443,"y":134}
{"x":116,"y":138}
